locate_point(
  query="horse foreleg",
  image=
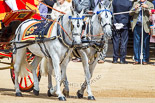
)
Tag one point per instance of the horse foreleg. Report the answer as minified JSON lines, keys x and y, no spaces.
{"x":64,"y":78}
{"x":66,"y":87}
{"x":51,"y":91}
{"x":58,"y":78}
{"x":87,"y":76}
{"x":91,"y":69}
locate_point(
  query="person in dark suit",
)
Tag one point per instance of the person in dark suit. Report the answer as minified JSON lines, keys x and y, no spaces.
{"x":153,"y":2}
{"x":50,"y":3}
{"x":121,"y":22}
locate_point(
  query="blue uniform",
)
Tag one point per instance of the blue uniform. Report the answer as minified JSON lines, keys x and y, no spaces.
{"x":43,"y":9}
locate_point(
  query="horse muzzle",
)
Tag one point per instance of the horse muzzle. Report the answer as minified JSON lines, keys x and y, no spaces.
{"x":77,"y":40}
{"x":77,"y":44}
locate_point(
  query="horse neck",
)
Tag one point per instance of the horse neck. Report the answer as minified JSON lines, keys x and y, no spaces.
{"x":96,"y":26}
{"x":67,"y":28}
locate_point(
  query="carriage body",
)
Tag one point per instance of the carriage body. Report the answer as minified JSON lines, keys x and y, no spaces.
{"x":9,"y":25}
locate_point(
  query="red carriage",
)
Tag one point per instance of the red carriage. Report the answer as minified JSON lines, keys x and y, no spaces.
{"x":9,"y":24}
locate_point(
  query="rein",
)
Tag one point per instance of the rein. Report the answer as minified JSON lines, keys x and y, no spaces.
{"x":98,"y":45}
{"x":60,"y":33}
{"x":94,"y":35}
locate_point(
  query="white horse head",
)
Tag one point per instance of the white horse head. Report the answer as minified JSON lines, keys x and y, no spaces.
{"x":76,"y":23}
{"x":105,"y":19}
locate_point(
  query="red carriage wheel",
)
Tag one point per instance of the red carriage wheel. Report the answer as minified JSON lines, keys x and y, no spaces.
{"x":26,"y":83}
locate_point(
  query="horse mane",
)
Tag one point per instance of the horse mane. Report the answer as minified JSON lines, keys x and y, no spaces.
{"x":95,"y":24}
{"x":67,"y":27}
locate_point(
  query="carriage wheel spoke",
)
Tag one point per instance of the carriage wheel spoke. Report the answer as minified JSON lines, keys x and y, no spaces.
{"x":13,"y":76}
{"x":21,"y":80}
{"x":25,"y":82}
{"x":30,"y":79}
{"x":32,"y":58}
{"x":28,"y":70}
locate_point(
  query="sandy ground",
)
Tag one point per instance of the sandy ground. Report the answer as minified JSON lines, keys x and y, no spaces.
{"x":111,"y":83}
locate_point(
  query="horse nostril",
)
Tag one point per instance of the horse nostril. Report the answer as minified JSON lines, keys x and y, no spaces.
{"x":78,"y":25}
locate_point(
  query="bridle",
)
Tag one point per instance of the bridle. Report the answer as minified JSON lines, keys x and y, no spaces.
{"x":104,"y":10}
{"x":99,"y":45}
{"x":77,"y":18}
{"x":78,"y":24}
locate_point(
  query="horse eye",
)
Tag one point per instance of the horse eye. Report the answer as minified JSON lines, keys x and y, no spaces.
{"x":99,"y":18}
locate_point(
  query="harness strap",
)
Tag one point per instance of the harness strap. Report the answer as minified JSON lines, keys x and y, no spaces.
{"x":64,"y":56}
{"x":41,"y":33}
{"x":95,"y":57}
{"x":46,"y":53}
{"x":29,"y":43}
{"x":61,"y":33}
{"x":15,"y":48}
{"x":46,"y":50}
{"x":42,"y":50}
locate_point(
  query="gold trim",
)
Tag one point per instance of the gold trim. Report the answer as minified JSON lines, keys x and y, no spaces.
{"x":33,"y":37}
{"x":18,"y":17}
{"x":36,"y":2}
{"x":7,"y":67}
{"x":2,"y":16}
{"x":0,"y":25}
{"x":32,"y":7}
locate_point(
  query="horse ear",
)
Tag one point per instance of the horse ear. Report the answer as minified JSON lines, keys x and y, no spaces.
{"x":73,"y":4}
{"x":72,"y":11}
{"x":100,"y":5}
{"x":109,"y":6}
{"x":81,"y":13}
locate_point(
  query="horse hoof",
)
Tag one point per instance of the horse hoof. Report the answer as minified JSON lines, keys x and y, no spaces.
{"x":91,"y":98}
{"x":79,"y":95}
{"x":49,"y":93}
{"x":65,"y":93}
{"x":62,"y":99}
{"x":19,"y":95}
{"x":35,"y":92}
